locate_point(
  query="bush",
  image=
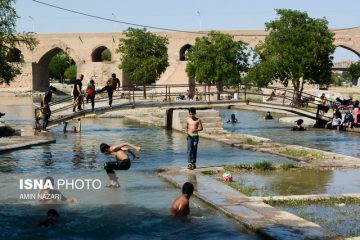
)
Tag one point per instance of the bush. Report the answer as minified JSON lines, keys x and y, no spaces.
{"x":263,"y":165}
{"x":6,"y":131}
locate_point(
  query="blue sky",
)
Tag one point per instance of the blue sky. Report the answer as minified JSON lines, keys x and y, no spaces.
{"x":182,"y":15}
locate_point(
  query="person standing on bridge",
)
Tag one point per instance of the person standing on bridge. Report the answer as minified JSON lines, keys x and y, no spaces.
{"x":48,"y":96}
{"x":90,"y":94}
{"x":77,"y":91}
{"x":111,"y":86}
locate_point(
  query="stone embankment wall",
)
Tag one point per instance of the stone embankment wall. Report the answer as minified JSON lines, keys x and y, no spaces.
{"x":210,"y":119}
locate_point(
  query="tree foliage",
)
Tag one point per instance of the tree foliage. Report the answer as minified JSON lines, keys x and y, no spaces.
{"x":9,"y":40}
{"x":144,"y":56}
{"x":354,"y":70}
{"x":58,"y":65}
{"x":70,"y":73}
{"x":218,"y":59}
{"x":106,"y":55}
{"x":297,"y":50}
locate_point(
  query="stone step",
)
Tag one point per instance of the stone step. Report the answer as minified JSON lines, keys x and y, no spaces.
{"x":205,"y":120}
{"x":200,"y":113}
{"x":212,"y":125}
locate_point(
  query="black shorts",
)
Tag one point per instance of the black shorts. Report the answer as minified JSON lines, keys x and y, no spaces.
{"x":117,"y":165}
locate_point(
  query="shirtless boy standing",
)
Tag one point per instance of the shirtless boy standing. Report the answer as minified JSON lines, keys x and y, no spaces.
{"x":180,"y":207}
{"x":192,"y":128}
{"x":122,"y":160}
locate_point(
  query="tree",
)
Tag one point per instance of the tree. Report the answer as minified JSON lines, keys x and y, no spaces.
{"x":58,"y":64}
{"x":70,"y":73}
{"x":217,"y":59}
{"x":10,"y":39}
{"x":354,"y":70}
{"x":297,"y":50}
{"x":106,"y":55}
{"x":144,"y":56}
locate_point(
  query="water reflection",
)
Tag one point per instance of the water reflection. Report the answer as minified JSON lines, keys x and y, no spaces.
{"x":303,"y":181}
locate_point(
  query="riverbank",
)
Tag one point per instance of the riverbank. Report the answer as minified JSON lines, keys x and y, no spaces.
{"x":305,"y":156}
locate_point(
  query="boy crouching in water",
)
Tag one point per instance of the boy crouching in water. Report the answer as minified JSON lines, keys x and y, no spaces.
{"x":122,"y":161}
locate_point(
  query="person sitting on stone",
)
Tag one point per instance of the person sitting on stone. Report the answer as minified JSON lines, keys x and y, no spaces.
{"x":336,"y":122}
{"x":348,"y":119}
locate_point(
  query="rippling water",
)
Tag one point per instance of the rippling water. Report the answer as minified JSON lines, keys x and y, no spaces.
{"x":253,"y":123}
{"x":138,"y":210}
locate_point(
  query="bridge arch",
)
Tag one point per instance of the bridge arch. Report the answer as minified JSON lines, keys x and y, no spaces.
{"x":183,"y":51}
{"x":41,"y":68}
{"x":96,"y":53}
{"x":348,"y":48}
{"x":14,"y":55}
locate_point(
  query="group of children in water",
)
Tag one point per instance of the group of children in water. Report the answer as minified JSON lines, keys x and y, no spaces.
{"x":193,"y":126}
{"x":180,"y":206}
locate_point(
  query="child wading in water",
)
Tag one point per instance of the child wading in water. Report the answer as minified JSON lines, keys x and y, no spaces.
{"x":122,"y":161}
{"x":180,"y":207}
{"x":192,"y":128}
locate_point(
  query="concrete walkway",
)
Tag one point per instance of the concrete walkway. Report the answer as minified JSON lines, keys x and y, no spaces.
{"x":255,"y":215}
{"x":307,"y":157}
{"x":18,"y":142}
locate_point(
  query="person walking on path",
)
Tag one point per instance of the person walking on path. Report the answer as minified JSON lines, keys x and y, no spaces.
{"x":90,"y":94}
{"x":44,"y":112}
{"x":48,"y":96}
{"x":77,"y":91}
{"x":111,"y":86}
{"x":192,"y":128}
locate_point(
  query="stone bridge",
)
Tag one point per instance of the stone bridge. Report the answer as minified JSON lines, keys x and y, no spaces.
{"x":86,"y":48}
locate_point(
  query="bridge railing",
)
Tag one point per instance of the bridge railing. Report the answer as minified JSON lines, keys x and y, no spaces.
{"x":200,"y":92}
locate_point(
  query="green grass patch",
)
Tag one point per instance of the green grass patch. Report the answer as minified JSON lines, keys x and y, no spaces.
{"x":287,"y":166}
{"x":251,"y":141}
{"x":209,"y":172}
{"x":263,"y":165}
{"x":237,"y":168}
{"x":321,"y":201}
{"x":301,"y":153}
{"x":239,"y":186}
{"x":6,"y":131}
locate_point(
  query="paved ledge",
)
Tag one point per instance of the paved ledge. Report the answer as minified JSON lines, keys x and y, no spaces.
{"x":19,"y":142}
{"x":255,"y":215}
{"x":307,"y":197}
{"x":310,"y":157}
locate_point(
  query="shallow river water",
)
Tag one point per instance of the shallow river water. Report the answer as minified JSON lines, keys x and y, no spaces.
{"x":253,"y":123}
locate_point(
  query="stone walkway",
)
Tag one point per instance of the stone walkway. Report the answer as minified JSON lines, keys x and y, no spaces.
{"x":307,"y":157}
{"x":252,"y":213}
{"x":18,"y":142}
